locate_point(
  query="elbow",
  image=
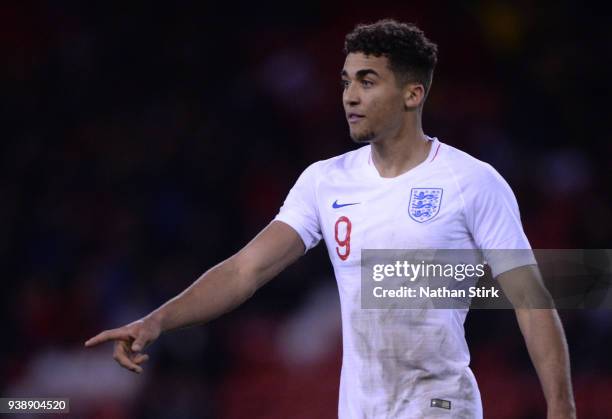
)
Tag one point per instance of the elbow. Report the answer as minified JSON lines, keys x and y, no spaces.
{"x":540,"y":298}
{"x":245,"y":275}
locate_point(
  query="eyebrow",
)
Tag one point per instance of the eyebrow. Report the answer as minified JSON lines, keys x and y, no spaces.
{"x":361,"y":73}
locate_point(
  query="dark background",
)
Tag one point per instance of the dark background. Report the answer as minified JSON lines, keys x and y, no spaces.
{"x":142,"y":145}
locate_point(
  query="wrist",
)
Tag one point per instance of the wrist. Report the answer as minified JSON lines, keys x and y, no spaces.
{"x":156,"y":319}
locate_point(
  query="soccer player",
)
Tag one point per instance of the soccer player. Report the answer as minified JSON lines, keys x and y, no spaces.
{"x":396,"y":363}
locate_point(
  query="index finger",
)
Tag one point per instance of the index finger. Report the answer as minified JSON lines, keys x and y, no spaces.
{"x":107,"y":335}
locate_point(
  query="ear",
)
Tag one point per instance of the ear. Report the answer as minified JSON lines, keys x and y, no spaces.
{"x":414,"y":95}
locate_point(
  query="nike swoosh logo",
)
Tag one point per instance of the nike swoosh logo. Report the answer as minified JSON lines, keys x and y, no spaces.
{"x":337,"y":205}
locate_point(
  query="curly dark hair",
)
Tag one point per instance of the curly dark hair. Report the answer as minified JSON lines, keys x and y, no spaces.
{"x":412,"y":57}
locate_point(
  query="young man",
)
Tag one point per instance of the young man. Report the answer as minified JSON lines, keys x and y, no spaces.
{"x":396,"y":363}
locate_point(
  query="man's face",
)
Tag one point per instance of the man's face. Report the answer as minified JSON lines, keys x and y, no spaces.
{"x":373,"y":103}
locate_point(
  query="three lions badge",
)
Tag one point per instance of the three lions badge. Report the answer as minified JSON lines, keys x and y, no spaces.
{"x":424,"y":203}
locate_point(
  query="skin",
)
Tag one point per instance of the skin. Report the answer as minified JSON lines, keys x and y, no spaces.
{"x":392,"y":125}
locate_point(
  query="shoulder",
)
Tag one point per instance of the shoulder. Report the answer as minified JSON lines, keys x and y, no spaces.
{"x":470,"y":171}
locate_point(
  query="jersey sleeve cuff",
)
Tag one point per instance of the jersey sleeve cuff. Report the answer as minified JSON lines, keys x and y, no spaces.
{"x":502,"y":261}
{"x":292,"y":220}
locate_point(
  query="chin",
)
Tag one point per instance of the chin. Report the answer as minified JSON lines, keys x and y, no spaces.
{"x":363,"y":137}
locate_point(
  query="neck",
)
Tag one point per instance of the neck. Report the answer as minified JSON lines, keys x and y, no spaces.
{"x":400,"y":152}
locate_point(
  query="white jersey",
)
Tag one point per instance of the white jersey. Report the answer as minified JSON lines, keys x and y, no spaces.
{"x":403,"y":363}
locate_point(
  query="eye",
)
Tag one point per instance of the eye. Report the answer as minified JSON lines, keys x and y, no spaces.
{"x":367,"y":83}
{"x":344,"y":83}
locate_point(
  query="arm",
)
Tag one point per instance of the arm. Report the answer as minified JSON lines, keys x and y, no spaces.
{"x":217,"y":291}
{"x":544,"y":337}
{"x":234,"y":280}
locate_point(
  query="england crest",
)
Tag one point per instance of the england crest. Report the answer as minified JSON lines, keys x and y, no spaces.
{"x":424,"y":203}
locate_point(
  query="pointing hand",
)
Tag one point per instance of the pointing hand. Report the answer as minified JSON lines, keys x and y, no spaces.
{"x":130,"y":340}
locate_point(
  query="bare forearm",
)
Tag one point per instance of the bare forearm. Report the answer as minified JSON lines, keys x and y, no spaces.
{"x":217,"y":291}
{"x":547,"y":348}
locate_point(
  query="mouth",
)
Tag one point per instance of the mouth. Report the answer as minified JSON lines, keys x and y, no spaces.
{"x":354,"y":117}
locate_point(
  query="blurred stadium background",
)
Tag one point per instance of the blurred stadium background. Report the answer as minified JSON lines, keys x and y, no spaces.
{"x":142,"y":145}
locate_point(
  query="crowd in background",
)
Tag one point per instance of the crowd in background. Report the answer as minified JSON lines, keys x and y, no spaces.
{"x":141,"y":146}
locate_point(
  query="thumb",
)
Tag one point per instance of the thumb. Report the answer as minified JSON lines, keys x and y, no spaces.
{"x":139,"y":343}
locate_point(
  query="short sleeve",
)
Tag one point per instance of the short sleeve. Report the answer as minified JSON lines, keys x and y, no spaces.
{"x":493,"y":217}
{"x":300,"y":208}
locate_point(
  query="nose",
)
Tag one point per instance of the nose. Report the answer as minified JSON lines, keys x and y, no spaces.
{"x":350,"y":96}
